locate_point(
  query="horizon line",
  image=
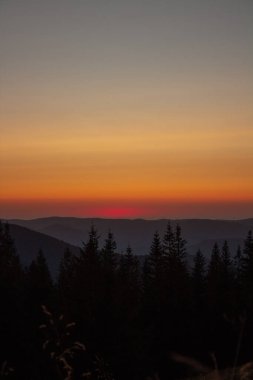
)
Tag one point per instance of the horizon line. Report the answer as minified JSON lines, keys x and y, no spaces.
{"x":127,"y":218}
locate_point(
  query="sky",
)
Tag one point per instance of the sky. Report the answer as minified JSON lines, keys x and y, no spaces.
{"x":138,"y":108}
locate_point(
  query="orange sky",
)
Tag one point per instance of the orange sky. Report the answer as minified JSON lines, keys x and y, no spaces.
{"x":117,"y":130}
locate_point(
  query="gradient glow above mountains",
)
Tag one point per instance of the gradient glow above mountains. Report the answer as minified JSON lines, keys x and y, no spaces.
{"x":126,"y":109}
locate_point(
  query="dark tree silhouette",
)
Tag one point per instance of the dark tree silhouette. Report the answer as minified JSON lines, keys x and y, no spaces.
{"x":247,"y":270}
{"x":199,"y":280}
{"x":108,"y":254}
{"x":130,"y":316}
{"x":67,"y":273}
{"x":11,"y":296}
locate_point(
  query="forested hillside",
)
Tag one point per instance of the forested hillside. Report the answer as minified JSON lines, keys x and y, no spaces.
{"x":110,"y":318}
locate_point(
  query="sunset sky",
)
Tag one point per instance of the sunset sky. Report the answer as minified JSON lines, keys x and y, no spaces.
{"x":126,"y":108}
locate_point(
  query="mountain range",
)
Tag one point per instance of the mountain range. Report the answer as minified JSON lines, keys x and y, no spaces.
{"x":28,"y":243}
{"x":54,"y":234}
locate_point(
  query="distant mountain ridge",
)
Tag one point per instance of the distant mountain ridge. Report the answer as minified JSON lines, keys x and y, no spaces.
{"x":28,"y":243}
{"x":199,"y":233}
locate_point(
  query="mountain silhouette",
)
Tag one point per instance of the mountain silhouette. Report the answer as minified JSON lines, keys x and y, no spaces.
{"x":28,"y":243}
{"x":199,"y":233}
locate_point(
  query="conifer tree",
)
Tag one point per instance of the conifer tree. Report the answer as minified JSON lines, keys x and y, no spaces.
{"x":227,"y":279}
{"x":177,"y":285}
{"x":108,"y":282}
{"x":169,"y":252}
{"x":128,"y":307}
{"x":108,"y":255}
{"x":214,"y":277}
{"x":175,"y":270}
{"x":11,"y":296}
{"x":237,"y":263}
{"x":39,"y":283}
{"x":129,"y":271}
{"x":90,"y":250}
{"x":155,"y":257}
{"x":247,"y":270}
{"x":225,"y":255}
{"x":215,"y":299}
{"x":199,"y":279}
{"x":153,"y":279}
{"x":10,"y":267}
{"x":88,"y":272}
{"x":169,"y":243}
{"x":39,"y":292}
{"x":215,"y":262}
{"x":198,"y":322}
{"x":238,"y":283}
{"x":146,"y":276}
{"x":87,"y":288}
{"x":66,"y":280}
{"x":180,"y":244}
{"x":129,"y":284}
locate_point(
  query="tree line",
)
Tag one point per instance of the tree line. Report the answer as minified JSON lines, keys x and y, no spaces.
{"x":111,"y":316}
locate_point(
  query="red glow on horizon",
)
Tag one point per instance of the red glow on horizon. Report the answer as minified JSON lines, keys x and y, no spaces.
{"x":116,"y":212}
{"x":125,"y":209}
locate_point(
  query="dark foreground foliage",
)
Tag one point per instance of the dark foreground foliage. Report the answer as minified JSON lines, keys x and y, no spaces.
{"x":109,"y":317}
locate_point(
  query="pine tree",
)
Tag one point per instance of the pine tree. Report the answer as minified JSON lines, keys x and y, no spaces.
{"x":89,"y":272}
{"x":129,"y":284}
{"x":155,"y":257}
{"x":227,"y":288}
{"x":214,"y":277}
{"x":180,"y":244}
{"x":39,"y":283}
{"x":153,"y":280}
{"x":176,"y":302}
{"x":247,"y":270}
{"x":109,"y":282}
{"x":215,"y":299}
{"x":238,"y":283}
{"x":237,"y":263}
{"x":87,"y":289}
{"x":39,"y":293}
{"x":199,"y":294}
{"x":11,"y":295}
{"x":66,"y":279}
{"x":128,"y":308}
{"x":226,"y":265}
{"x":146,"y":277}
{"x":108,"y":255}
{"x":10,"y":267}
{"x":174,"y":257}
{"x":129,"y":271}
{"x":226,"y":257}
{"x":169,"y":243}
{"x":199,"y":279}
{"x":175,"y":273}
{"x":215,"y":261}
{"x":90,"y":250}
